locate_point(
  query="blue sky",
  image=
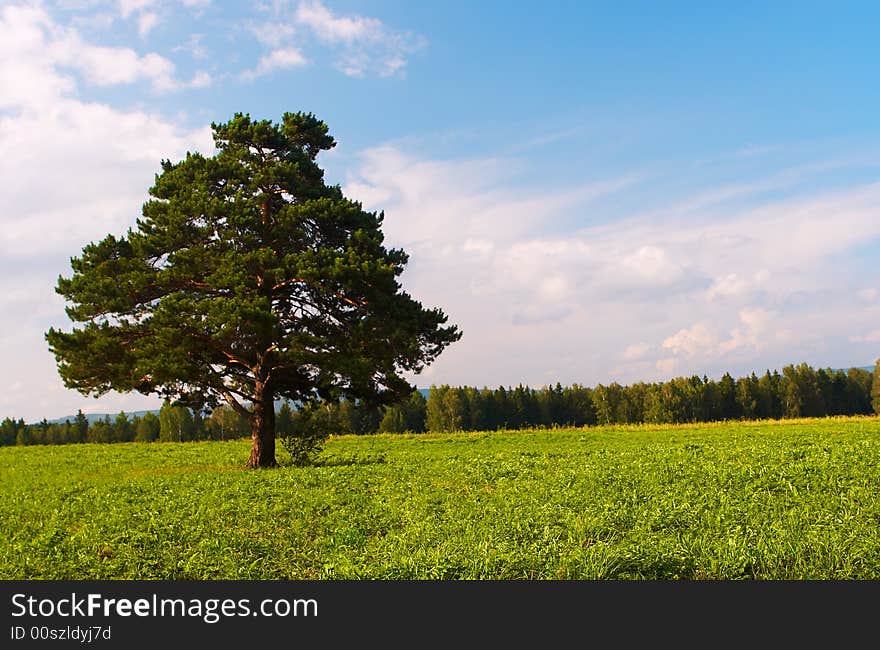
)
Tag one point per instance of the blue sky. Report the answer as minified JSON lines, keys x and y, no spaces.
{"x":594,"y":192}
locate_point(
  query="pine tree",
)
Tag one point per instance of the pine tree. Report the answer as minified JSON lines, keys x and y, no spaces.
{"x":248,"y":279}
{"x":81,"y":427}
{"x":284,"y":420}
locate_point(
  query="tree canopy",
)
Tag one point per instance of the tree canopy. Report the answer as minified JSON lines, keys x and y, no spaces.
{"x":247,"y":279}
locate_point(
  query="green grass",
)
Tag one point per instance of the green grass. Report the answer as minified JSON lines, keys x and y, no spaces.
{"x":771,"y":500}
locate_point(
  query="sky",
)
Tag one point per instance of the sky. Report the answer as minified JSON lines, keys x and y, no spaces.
{"x":592,"y":191}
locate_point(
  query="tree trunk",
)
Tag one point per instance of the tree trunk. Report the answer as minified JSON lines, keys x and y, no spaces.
{"x":263,"y":433}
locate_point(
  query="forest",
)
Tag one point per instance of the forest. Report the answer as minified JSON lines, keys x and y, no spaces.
{"x":798,"y":391}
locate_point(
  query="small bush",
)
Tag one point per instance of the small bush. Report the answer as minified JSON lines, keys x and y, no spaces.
{"x":304,"y":437}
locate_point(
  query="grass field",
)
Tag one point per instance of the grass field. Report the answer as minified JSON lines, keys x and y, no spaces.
{"x":756,"y":500}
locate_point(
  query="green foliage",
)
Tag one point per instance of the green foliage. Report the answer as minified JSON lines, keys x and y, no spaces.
{"x":176,"y":423}
{"x":775,"y":500}
{"x":407,"y":417}
{"x":305,"y":432}
{"x":247,"y":278}
{"x":225,"y":423}
{"x":799,"y":391}
{"x":147,"y":428}
{"x":875,"y":389}
{"x":9,"y":431}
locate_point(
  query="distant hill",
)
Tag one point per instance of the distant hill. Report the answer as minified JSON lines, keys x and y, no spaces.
{"x":868,"y":368}
{"x":94,"y":417}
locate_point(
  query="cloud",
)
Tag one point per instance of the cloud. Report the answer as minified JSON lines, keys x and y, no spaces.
{"x":195,"y":46}
{"x":129,"y":7}
{"x":338,"y":29}
{"x":636,"y":351}
{"x":361,"y":45}
{"x":146,"y":22}
{"x":667,"y":367}
{"x":73,"y":171}
{"x":45,"y":52}
{"x":197,"y":6}
{"x":691,"y":341}
{"x":271,"y":33}
{"x":652,"y":264}
{"x":280,"y":59}
{"x":702,"y":341}
{"x":201,"y":80}
{"x":736,"y":285}
{"x":535,"y":280}
{"x":871,"y":337}
{"x":754,"y":323}
{"x":481,"y":246}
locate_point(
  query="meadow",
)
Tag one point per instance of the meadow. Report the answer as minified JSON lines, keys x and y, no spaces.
{"x":794,"y":499}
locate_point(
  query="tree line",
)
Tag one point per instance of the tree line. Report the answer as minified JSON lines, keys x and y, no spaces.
{"x":798,"y":391}
{"x":171,"y":424}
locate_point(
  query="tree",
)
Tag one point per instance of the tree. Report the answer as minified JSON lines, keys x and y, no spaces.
{"x":392,"y":420}
{"x":347,"y":417}
{"x":101,"y":430}
{"x":7,"y":432}
{"x":175,"y":423}
{"x":727,"y":407}
{"x":247,"y":279}
{"x":225,"y":423}
{"x":122,"y":429}
{"x":875,"y":388}
{"x":408,"y":416}
{"x":445,"y":409}
{"x":747,"y":395}
{"x":414,"y":412}
{"x":147,"y":429}
{"x":859,"y":384}
{"x":283,"y":421}
{"x":81,"y":426}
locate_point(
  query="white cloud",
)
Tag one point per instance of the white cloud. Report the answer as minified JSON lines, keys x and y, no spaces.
{"x":554,"y":288}
{"x":128,"y":7}
{"x":652,"y":264}
{"x":196,"y":5}
{"x":195,"y":46}
{"x":73,"y":171}
{"x":702,"y":341}
{"x":101,"y":21}
{"x":481,"y":246}
{"x":361,"y":44}
{"x":691,"y":341}
{"x":750,"y":334}
{"x":338,"y":29}
{"x":871,"y":337}
{"x":749,"y":287}
{"x":146,"y":22}
{"x":636,"y":351}
{"x":271,"y":33}
{"x":667,"y":367}
{"x":735,"y":285}
{"x":280,"y":59}
{"x":43,"y":50}
{"x":201,"y":80}
{"x":731,"y":284}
